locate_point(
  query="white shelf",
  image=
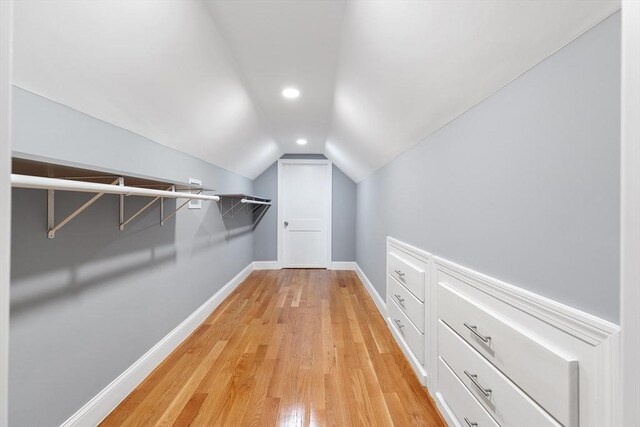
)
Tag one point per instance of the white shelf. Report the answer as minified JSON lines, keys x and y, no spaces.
{"x":56,"y":177}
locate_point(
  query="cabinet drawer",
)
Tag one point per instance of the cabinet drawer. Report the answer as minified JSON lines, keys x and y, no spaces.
{"x":499,"y":396}
{"x":409,"y":304}
{"x":465,"y":407}
{"x":413,"y":338}
{"x":408,"y":271}
{"x":548,"y":377}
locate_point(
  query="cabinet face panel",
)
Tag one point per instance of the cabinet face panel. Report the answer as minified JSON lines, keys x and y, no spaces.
{"x":408,"y":303}
{"x":509,"y":405}
{"x":549,"y":377}
{"x":412,"y":336}
{"x":465,"y":407}
{"x":408,"y":272}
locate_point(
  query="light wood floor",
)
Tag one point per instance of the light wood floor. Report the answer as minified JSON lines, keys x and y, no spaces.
{"x":287,"y":348}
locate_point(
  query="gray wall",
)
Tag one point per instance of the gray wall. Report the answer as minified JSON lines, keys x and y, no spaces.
{"x":523,"y":187}
{"x":343,"y":221}
{"x":343,"y":214}
{"x":265,"y":236}
{"x":89,"y":303}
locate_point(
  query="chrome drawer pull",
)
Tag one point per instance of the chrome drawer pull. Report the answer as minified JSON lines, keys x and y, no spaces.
{"x":474,"y":329}
{"x":399,"y":323}
{"x":474,"y":380}
{"x":469,"y":423}
{"x":400,"y":299}
{"x":399,"y":273}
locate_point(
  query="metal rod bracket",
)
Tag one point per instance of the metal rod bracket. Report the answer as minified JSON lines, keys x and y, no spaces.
{"x":124,"y":223}
{"x":164,"y":219}
{"x":51,"y":227}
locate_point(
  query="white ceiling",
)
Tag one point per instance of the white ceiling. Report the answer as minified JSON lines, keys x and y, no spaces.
{"x":205,"y":77}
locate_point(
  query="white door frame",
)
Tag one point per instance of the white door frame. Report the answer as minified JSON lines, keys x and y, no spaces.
{"x":282,"y":162}
{"x":6,"y":34}
{"x":630,"y":214}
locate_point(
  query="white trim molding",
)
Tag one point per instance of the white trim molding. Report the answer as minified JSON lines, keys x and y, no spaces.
{"x":377,"y":299}
{"x":343,"y":265}
{"x":581,"y":325}
{"x":280,"y":216}
{"x":6,"y":35}
{"x":629,"y":391}
{"x":411,"y":250}
{"x":94,"y":411}
{"x":334,"y":265}
{"x":266,"y":265}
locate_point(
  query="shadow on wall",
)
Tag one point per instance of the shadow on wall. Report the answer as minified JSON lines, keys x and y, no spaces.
{"x":258,"y":214}
{"x":234,"y":215}
{"x":91,"y":250}
{"x":234,"y":226}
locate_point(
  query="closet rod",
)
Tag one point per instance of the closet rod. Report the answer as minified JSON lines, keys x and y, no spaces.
{"x":43,"y":183}
{"x":254,"y":202}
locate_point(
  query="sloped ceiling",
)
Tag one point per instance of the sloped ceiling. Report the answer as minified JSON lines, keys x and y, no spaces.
{"x":205,"y":77}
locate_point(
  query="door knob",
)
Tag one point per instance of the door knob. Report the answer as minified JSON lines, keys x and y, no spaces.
{"x":286,"y":223}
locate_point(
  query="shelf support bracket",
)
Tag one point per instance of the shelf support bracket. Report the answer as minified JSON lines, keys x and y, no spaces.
{"x":231,"y":209}
{"x":257,"y":208}
{"x":51,"y":227}
{"x":124,"y":223}
{"x":172,"y":188}
{"x":164,"y":219}
{"x":121,"y":182}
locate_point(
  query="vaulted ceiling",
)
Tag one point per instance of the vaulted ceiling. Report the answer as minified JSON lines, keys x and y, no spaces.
{"x":205,"y":77}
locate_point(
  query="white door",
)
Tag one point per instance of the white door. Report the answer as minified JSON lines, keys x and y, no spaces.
{"x":304,"y":213}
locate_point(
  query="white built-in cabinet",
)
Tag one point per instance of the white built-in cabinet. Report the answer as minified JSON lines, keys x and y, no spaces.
{"x":493,"y":354}
{"x":408,"y":299}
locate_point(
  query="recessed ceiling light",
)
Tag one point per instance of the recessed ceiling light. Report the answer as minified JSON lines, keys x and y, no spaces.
{"x":301,"y":141}
{"x":291,"y":92}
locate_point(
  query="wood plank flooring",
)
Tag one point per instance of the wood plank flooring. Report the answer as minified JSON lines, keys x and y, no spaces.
{"x":287,"y":348}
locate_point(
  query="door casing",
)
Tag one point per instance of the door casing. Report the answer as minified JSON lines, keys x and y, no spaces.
{"x":629,"y":384}
{"x":6,"y":33}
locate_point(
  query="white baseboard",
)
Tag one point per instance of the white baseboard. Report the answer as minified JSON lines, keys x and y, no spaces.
{"x":419,"y":370}
{"x":266,"y":265}
{"x":343,"y":265}
{"x":382,"y":306}
{"x":334,"y":265}
{"x":94,"y":411}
